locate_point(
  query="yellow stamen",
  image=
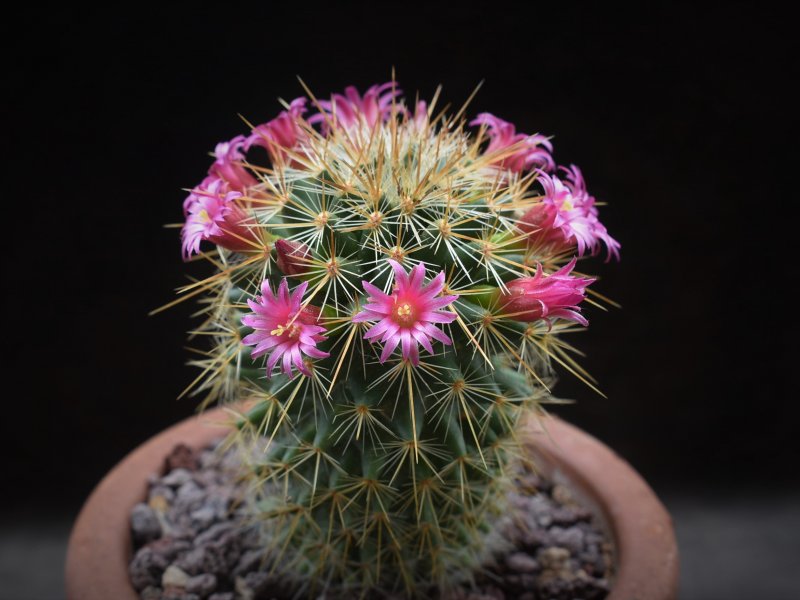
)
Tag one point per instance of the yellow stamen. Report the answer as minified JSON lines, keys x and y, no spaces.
{"x":404,"y":314}
{"x":290,"y":329}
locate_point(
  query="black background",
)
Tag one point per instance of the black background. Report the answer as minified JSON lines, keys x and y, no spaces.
{"x":680,"y":118}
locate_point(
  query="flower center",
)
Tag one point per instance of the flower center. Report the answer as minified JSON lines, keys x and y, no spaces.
{"x":290,"y":330}
{"x":203,"y":216}
{"x":567,"y":206}
{"x":404,"y":314}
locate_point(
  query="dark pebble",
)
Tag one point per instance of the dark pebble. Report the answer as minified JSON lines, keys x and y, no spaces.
{"x":145,"y":525}
{"x":569,"y":515}
{"x":202,"y":585}
{"x":249,"y":561}
{"x":163,"y":491}
{"x":229,"y":548}
{"x":592,"y":559}
{"x":202,"y":517}
{"x":536,"y":537}
{"x":190,"y":497}
{"x":257,"y":583}
{"x":206,"y":559}
{"x":220,"y":503}
{"x":213,"y":533}
{"x":176,"y":478}
{"x":208,"y":478}
{"x":169,"y":547}
{"x":150,"y":593}
{"x":527,"y":581}
{"x":178,"y":594}
{"x":522,"y":562}
{"x":181,"y":457}
{"x":146,"y":568}
{"x":572,"y":538}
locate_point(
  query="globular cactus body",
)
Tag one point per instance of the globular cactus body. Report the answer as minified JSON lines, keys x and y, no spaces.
{"x":388,"y":300}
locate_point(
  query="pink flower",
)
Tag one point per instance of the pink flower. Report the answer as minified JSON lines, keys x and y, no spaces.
{"x":212,"y":214}
{"x":351,"y":109}
{"x":407,"y":316}
{"x":227,"y":165}
{"x":567,"y":216}
{"x":420,"y":118}
{"x":292,"y":257}
{"x":281,"y":133}
{"x":530,"y":151}
{"x":546,"y":296}
{"x":283,"y":329}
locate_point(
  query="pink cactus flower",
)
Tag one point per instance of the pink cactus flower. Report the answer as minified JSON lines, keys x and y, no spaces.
{"x":351,"y":109}
{"x":568,"y":216}
{"x":281,"y":133}
{"x":531,"y":151}
{"x":420,"y":118}
{"x":546,"y":296}
{"x":292,"y":257}
{"x":212,"y":214}
{"x":407,"y":316}
{"x":283,"y":329}
{"x":228,"y":167}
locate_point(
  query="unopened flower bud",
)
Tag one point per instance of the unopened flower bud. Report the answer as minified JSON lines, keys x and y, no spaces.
{"x":292,"y":257}
{"x":546,"y":296}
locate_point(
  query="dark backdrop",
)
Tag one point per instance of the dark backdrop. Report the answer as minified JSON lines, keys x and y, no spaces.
{"x":681,"y":121}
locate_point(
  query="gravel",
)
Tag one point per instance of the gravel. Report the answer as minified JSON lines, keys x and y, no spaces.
{"x":190,"y":545}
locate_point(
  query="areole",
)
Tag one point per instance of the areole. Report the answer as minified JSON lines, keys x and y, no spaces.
{"x":647,"y":557}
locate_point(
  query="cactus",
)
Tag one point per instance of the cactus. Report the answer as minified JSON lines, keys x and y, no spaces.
{"x":390,"y":291}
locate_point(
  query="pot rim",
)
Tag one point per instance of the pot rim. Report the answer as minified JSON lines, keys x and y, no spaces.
{"x":646,"y":552}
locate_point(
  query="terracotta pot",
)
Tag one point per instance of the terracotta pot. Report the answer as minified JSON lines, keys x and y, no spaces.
{"x":100,"y":544}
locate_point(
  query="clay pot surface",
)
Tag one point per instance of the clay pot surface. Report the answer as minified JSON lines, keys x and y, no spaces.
{"x":100,"y":545}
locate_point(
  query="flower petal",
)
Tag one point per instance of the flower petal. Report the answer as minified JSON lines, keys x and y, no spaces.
{"x":389,"y":347}
{"x":423,"y":339}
